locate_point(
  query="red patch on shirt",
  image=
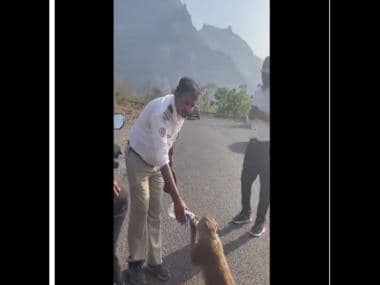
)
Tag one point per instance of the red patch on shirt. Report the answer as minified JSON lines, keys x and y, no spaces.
{"x":162,"y":132}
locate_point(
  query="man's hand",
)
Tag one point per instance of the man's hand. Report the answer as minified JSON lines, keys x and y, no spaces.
{"x":179,"y":210}
{"x":116,"y":188}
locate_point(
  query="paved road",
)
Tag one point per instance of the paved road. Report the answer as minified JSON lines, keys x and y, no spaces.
{"x":208,"y":162}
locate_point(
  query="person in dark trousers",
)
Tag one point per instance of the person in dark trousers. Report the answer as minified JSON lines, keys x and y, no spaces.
{"x":256,"y":158}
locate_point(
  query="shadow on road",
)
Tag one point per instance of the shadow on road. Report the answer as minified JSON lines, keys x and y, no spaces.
{"x":179,"y":265}
{"x":229,"y":228}
{"x":179,"y":262}
{"x":238,"y":147}
{"x":235,"y":244}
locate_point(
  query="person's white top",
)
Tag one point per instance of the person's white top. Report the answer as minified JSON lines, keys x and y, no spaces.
{"x":260,"y":129}
{"x":155,"y":130}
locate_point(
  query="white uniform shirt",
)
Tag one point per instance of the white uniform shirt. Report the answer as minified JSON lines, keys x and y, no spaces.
{"x":260,"y":128}
{"x":156,"y":130}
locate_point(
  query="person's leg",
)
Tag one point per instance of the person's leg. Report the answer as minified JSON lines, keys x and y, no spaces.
{"x":120,"y":205}
{"x":156,"y":184}
{"x":155,"y":265}
{"x":248,"y":175}
{"x":138,"y":177}
{"x":264,"y":196}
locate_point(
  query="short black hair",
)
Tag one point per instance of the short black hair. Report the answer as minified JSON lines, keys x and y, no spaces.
{"x":187,"y":84}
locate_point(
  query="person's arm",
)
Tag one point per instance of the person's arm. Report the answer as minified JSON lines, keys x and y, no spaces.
{"x":171,"y":152}
{"x":166,"y":188}
{"x":179,"y":205}
{"x":159,"y":129}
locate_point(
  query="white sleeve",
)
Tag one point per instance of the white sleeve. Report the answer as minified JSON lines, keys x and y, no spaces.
{"x":160,"y":141}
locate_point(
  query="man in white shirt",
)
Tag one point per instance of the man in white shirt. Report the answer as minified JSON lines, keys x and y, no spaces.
{"x":150,"y":147}
{"x":256,"y":158}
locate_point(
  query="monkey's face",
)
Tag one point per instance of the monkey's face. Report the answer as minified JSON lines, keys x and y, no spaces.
{"x":207,"y":226}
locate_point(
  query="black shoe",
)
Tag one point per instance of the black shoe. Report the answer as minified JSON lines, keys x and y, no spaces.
{"x":257,"y":230}
{"x":242,"y":218}
{"x":159,"y":271}
{"x":136,"y":274}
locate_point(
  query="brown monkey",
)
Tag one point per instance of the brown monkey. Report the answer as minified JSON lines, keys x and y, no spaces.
{"x":208,"y":253}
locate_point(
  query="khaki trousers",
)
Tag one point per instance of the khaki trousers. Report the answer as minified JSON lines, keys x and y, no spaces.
{"x":144,"y":231}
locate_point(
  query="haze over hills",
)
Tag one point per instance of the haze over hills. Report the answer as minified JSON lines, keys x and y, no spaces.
{"x":155,"y":44}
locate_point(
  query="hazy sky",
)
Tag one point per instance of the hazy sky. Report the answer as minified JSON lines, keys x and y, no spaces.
{"x":248,"y":18}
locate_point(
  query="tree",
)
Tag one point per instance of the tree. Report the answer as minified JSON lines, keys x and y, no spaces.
{"x":232,"y":103}
{"x":207,"y":96}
